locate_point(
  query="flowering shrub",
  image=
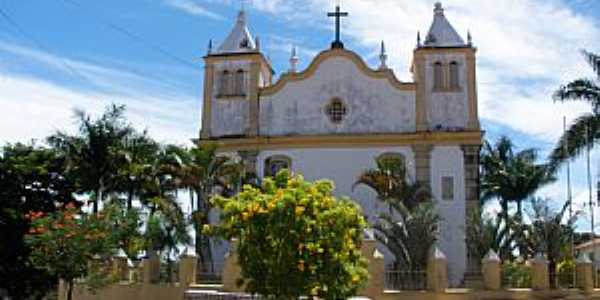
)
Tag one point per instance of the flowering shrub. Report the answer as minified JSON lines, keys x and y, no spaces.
{"x":295,"y":238}
{"x":70,"y":244}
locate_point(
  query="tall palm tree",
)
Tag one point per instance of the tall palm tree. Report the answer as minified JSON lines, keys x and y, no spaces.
{"x":94,"y":155}
{"x":575,"y":140}
{"x":410,"y":227}
{"x":550,"y":232}
{"x":411,"y":235}
{"x":509,"y":176}
{"x":206,"y":173}
{"x":391,"y":182}
{"x":140,"y":152}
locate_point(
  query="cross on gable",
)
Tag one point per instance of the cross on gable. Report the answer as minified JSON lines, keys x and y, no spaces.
{"x":338,"y":14}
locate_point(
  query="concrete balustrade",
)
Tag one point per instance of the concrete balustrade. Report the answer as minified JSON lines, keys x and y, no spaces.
{"x":376,"y":267}
{"x":539,"y":273}
{"x":151,"y":268}
{"x":491,"y":269}
{"x":232,"y":271}
{"x":121,"y":268}
{"x":437,"y":271}
{"x":584,"y":273}
{"x":188,"y":264}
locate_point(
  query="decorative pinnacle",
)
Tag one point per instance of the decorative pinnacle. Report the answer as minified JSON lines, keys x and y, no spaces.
{"x":294,"y":60}
{"x":210,"y":46}
{"x":469,"y":38}
{"x":383,"y":57}
{"x":257,"y":43}
{"x":418,"y":39}
{"x":438,"y":10}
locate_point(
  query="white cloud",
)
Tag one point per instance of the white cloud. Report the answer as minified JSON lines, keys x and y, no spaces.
{"x":193,"y":8}
{"x":33,"y":108}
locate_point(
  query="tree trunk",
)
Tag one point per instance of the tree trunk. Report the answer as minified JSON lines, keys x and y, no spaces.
{"x":130,"y":197}
{"x":70,"y":289}
{"x":203,"y":248}
{"x":95,"y":204}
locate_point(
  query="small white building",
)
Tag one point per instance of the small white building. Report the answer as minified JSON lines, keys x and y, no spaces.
{"x":336,"y":117}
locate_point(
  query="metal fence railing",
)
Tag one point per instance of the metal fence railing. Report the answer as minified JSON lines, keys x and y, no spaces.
{"x":563,"y":279}
{"x":403,"y":280}
{"x":213,"y":295}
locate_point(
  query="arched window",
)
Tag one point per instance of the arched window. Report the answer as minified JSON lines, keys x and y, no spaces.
{"x":224,"y":88}
{"x":277,"y":163}
{"x":438,"y":76}
{"x":454,"y":75}
{"x":391,"y":156}
{"x":336,"y":110}
{"x":239,"y":83}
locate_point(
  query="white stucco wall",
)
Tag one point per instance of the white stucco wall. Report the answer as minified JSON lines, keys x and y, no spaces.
{"x":374,"y":105}
{"x":448,"y":110}
{"x":448,"y":161}
{"x":229,"y":116}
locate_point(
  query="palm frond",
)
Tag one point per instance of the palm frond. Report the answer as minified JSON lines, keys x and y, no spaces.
{"x":582,"y":133}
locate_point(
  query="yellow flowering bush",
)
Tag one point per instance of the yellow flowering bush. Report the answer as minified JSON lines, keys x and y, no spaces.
{"x":295,"y":238}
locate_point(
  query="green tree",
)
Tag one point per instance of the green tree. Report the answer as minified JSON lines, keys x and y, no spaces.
{"x":391,"y":182}
{"x":295,"y":239}
{"x":70,"y":244}
{"x":205,"y":173}
{"x":409,"y":233}
{"x":139,"y":152}
{"x":510,"y":176}
{"x":32,"y":178}
{"x":575,"y":140}
{"x":550,"y":232}
{"x":166,"y":230}
{"x":410,"y":227}
{"x":95,"y":154}
{"x":485,"y":232}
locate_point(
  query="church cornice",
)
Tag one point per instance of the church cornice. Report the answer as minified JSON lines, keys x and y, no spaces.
{"x":349,"y":141}
{"x":327,"y":54}
{"x":255,"y":56}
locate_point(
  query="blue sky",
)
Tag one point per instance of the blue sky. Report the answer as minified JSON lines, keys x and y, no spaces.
{"x":61,"y":54}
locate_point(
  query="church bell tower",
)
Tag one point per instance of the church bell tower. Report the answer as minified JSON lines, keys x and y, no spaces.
{"x":234,"y":73}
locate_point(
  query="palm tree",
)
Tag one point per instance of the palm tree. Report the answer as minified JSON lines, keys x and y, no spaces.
{"x":205,"y":173}
{"x":411,"y":236}
{"x":410,"y":227}
{"x":509,"y":176}
{"x":391,"y":182}
{"x":485,"y":233}
{"x":95,"y":154}
{"x":575,"y":140}
{"x":140,"y":151}
{"x":549,"y":233}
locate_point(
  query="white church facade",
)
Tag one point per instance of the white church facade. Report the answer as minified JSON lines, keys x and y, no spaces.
{"x":336,"y":117}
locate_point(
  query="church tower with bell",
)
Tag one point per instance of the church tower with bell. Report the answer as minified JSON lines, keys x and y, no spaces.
{"x":234,"y":74}
{"x":339,"y":116}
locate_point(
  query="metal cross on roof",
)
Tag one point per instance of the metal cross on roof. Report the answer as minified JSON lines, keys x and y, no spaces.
{"x":337,"y":15}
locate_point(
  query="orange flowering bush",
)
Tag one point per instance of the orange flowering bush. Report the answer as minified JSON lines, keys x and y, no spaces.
{"x":71,"y":244}
{"x":295,"y":238}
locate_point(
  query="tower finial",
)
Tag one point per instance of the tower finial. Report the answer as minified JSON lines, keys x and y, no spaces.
{"x":418,"y":39}
{"x":210,"y":47}
{"x":257,"y":44}
{"x":383,"y":57}
{"x":469,"y":38}
{"x":294,"y":60}
{"x":439,"y":9}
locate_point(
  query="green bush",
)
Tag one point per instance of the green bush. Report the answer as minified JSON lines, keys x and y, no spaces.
{"x":516,"y":275}
{"x":295,"y":239}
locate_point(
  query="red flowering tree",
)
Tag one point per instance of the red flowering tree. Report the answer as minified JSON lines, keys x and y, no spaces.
{"x":70,"y":244}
